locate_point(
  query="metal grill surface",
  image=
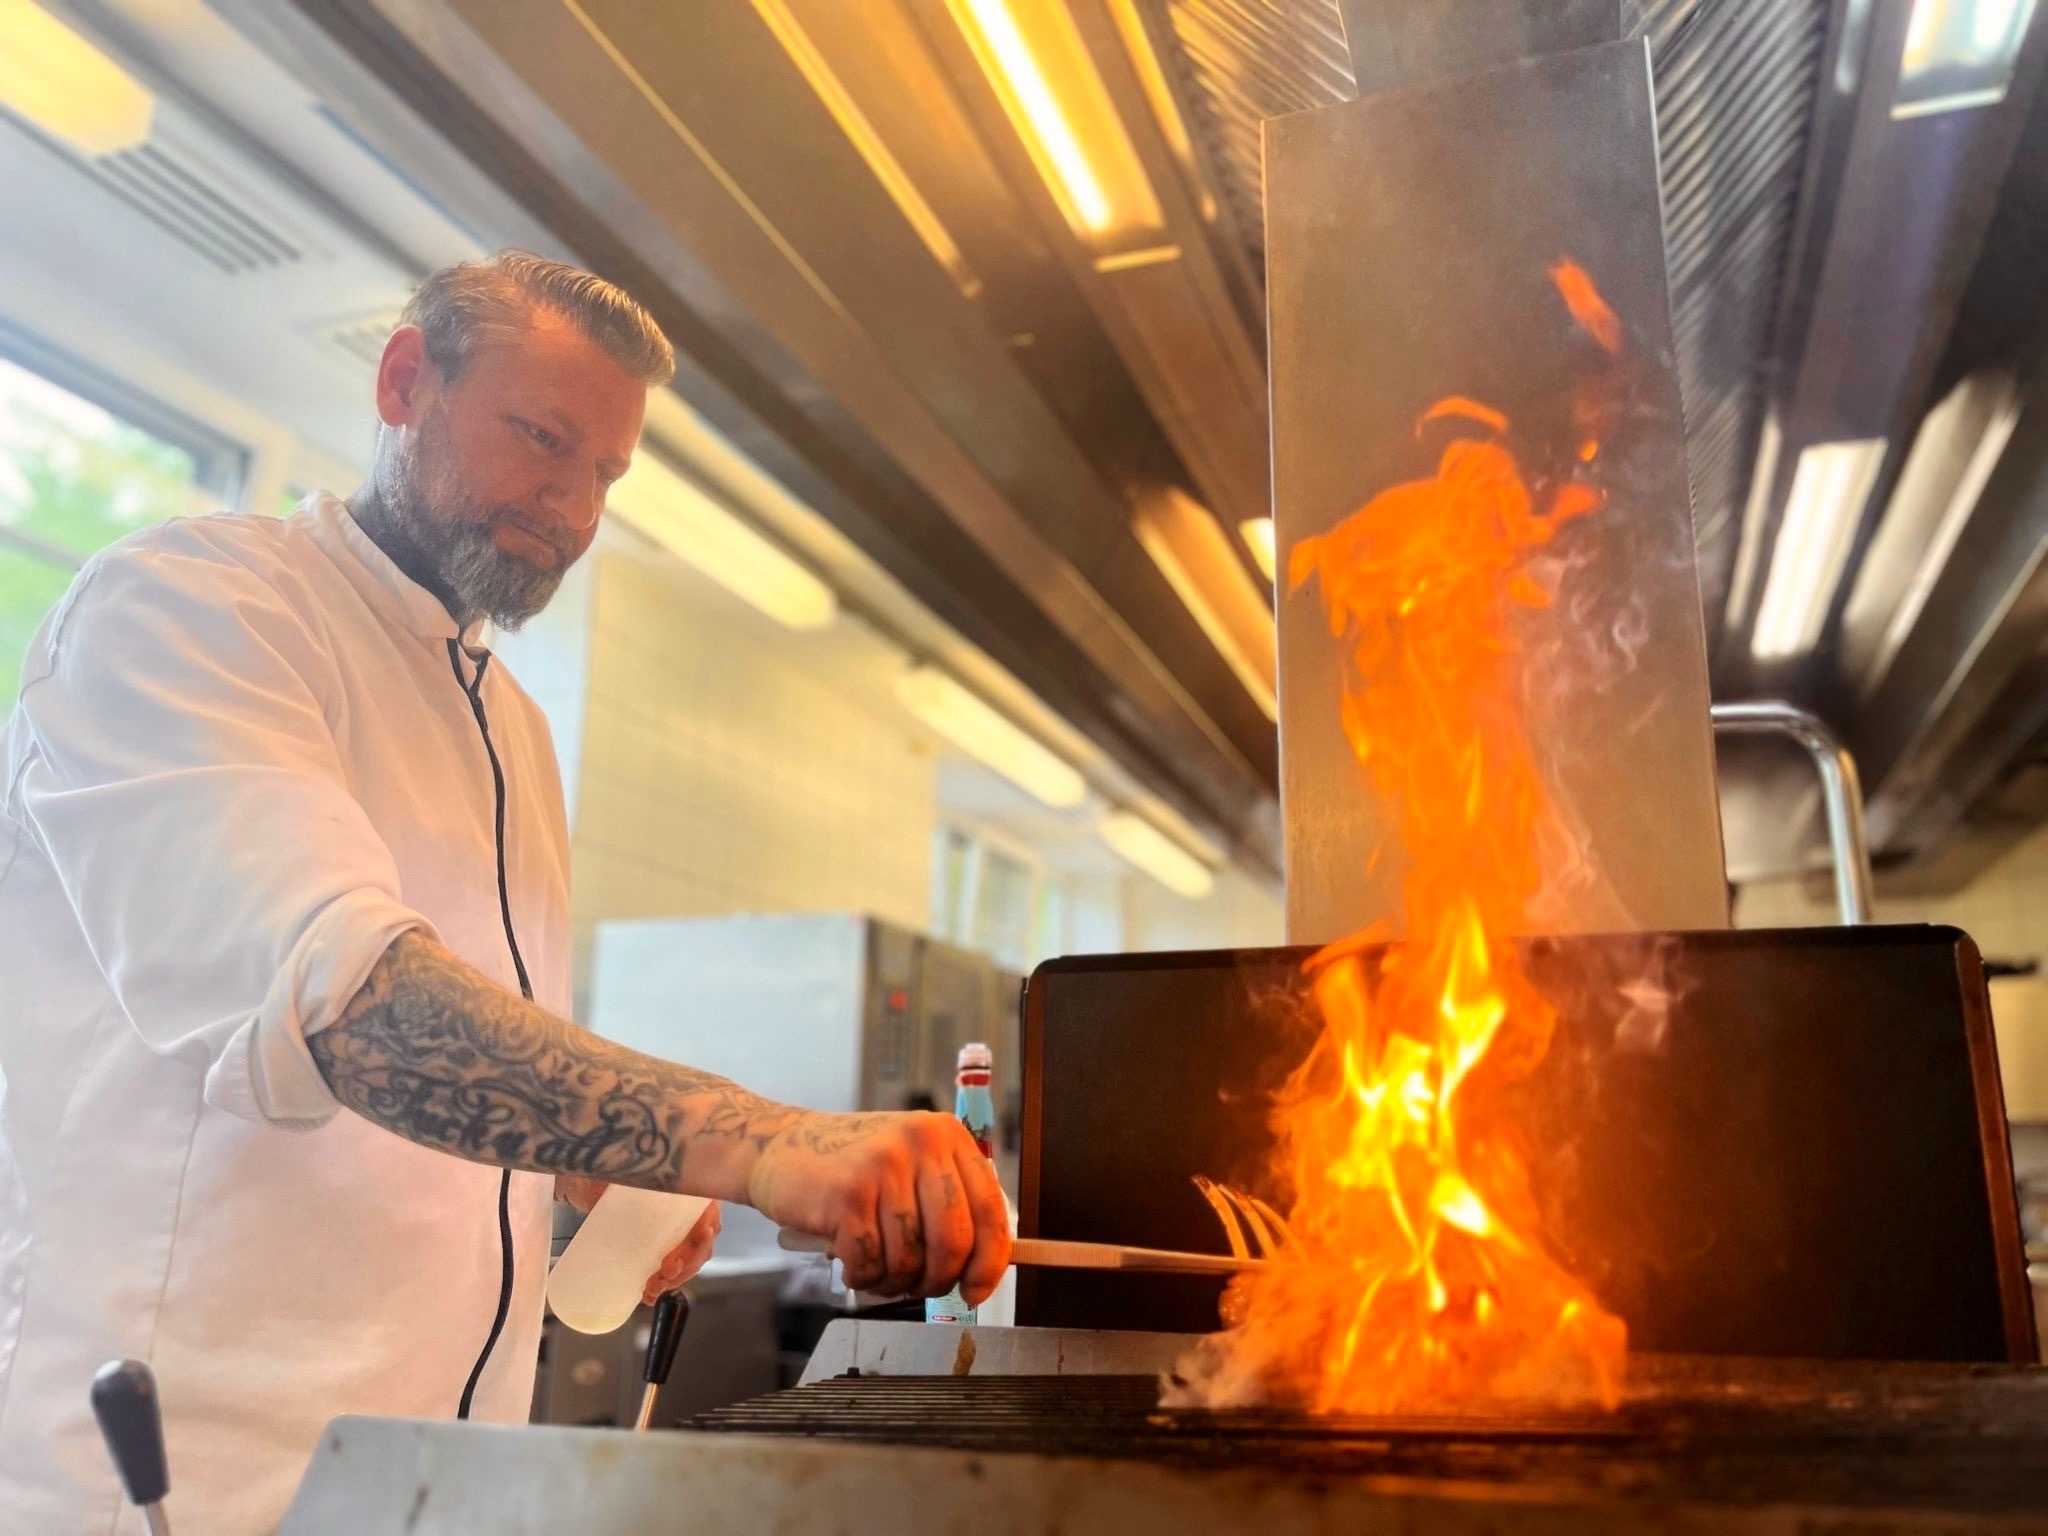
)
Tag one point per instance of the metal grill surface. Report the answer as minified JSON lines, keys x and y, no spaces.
{"x":1946,"y":1438}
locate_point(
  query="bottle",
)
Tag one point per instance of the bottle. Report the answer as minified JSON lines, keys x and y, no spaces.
{"x":976,"y":1106}
{"x":596,"y":1284}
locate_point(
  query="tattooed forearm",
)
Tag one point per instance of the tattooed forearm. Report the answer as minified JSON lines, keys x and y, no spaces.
{"x":432,"y":1050}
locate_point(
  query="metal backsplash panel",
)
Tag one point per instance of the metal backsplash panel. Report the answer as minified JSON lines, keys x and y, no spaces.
{"x":1409,"y":240}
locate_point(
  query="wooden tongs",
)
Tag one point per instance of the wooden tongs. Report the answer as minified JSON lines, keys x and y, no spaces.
{"x":1255,"y":1230}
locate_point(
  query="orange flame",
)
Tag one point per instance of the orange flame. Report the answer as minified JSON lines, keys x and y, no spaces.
{"x":1417,"y":1279}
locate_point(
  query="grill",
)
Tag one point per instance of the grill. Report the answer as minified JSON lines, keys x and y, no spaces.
{"x":1961,"y":1440}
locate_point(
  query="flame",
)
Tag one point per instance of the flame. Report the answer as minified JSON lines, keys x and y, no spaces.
{"x":1416,"y":1279}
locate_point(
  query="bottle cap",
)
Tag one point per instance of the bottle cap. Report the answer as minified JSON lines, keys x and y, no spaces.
{"x":976,"y":1055}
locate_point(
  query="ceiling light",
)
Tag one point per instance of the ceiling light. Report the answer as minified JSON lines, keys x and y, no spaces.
{"x":1257,"y":533}
{"x":1150,"y":851}
{"x":1038,"y":63}
{"x":1193,"y":553}
{"x":65,"y":86}
{"x":687,"y":521}
{"x":1144,"y":57}
{"x":1958,"y":446}
{"x":1959,"y":53}
{"x":1829,"y":489}
{"x":989,"y":736}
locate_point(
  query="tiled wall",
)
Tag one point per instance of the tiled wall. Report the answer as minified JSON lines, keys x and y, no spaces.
{"x":1238,"y":913}
{"x":550,"y":657}
{"x":729,"y":765}
{"x":2005,"y":909}
{"x":714,"y":762}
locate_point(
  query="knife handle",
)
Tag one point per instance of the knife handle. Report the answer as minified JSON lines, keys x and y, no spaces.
{"x":124,"y":1400}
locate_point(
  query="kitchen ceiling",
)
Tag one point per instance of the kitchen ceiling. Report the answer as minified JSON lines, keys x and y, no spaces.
{"x":984,"y":342}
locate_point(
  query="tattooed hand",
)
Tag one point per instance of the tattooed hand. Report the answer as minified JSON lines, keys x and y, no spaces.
{"x":909,"y":1202}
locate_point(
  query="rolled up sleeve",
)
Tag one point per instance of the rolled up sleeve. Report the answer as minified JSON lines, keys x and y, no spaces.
{"x":180,"y":773}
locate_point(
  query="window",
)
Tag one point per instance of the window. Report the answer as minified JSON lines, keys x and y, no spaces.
{"x":993,"y":897}
{"x":84,"y":462}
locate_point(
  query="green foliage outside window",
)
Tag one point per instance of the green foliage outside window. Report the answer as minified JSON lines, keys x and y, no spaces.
{"x":73,"y":479}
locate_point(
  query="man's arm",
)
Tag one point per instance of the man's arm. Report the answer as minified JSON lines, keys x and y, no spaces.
{"x":431,"y":1049}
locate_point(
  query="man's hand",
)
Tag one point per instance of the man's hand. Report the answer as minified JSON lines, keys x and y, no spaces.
{"x":687,"y":1257}
{"x":910,"y":1203}
{"x":683,"y":1260}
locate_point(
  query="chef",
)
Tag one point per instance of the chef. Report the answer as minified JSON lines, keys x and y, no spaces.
{"x":290,"y":1079}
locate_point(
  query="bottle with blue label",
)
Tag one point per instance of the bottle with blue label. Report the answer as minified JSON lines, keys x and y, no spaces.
{"x":976,"y":1107}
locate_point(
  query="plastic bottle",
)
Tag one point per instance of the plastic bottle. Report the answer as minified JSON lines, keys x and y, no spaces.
{"x":598,"y":1280}
{"x":974,"y":1103}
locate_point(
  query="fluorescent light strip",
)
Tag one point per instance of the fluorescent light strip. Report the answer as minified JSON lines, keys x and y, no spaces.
{"x":1258,"y":680}
{"x":688,"y":522}
{"x":1829,"y":489}
{"x":1149,"y":851}
{"x":64,"y":85}
{"x":1959,"y":54}
{"x":1933,"y":557}
{"x":1046,"y":80}
{"x":1257,"y":533}
{"x":1041,"y":109}
{"x":990,"y":737}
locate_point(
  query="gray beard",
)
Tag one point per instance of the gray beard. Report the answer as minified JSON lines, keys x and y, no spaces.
{"x":440,"y":536}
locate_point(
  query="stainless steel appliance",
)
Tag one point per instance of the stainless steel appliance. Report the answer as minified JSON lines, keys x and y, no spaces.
{"x":915,"y":1429}
{"x":830,"y":1010}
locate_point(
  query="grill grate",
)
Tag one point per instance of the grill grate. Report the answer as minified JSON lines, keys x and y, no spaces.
{"x":1953,"y":1438}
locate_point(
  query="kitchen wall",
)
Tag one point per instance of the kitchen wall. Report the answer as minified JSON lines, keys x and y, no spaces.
{"x":730,"y":765}
{"x":2005,"y":909}
{"x":1240,"y":912}
{"x":550,"y":656}
{"x":715,"y":762}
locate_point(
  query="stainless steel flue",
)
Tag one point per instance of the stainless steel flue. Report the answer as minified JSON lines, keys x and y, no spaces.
{"x":1409,"y":239}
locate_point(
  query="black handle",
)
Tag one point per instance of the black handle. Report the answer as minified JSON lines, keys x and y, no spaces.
{"x":124,"y":1401}
{"x":670,"y":1314}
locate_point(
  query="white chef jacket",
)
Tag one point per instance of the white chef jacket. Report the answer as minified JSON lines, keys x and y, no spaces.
{"x":241,"y":764}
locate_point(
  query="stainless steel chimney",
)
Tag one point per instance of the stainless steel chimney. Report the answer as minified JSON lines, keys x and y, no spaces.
{"x":1409,"y":236}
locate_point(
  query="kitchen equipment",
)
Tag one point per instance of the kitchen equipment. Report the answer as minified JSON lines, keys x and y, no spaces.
{"x":671,"y":1317}
{"x":1745,"y":1143}
{"x":1017,"y":1432}
{"x":599,"y":1279}
{"x":124,"y":1400}
{"x":1059,"y":1255}
{"x":830,"y":1010}
{"x":1409,"y":239}
{"x":733,"y":1349}
{"x":833,"y":1011}
{"x":1840,"y":789}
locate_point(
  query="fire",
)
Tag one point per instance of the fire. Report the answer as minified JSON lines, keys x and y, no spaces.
{"x":1416,"y":1279}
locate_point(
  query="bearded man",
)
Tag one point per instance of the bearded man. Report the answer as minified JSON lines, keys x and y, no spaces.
{"x":290,"y":1081}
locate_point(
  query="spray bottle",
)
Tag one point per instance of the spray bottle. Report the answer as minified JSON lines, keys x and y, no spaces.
{"x":974,"y":1103}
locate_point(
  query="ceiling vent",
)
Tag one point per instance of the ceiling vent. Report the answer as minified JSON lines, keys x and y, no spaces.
{"x":361,"y":340}
{"x":186,"y":192}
